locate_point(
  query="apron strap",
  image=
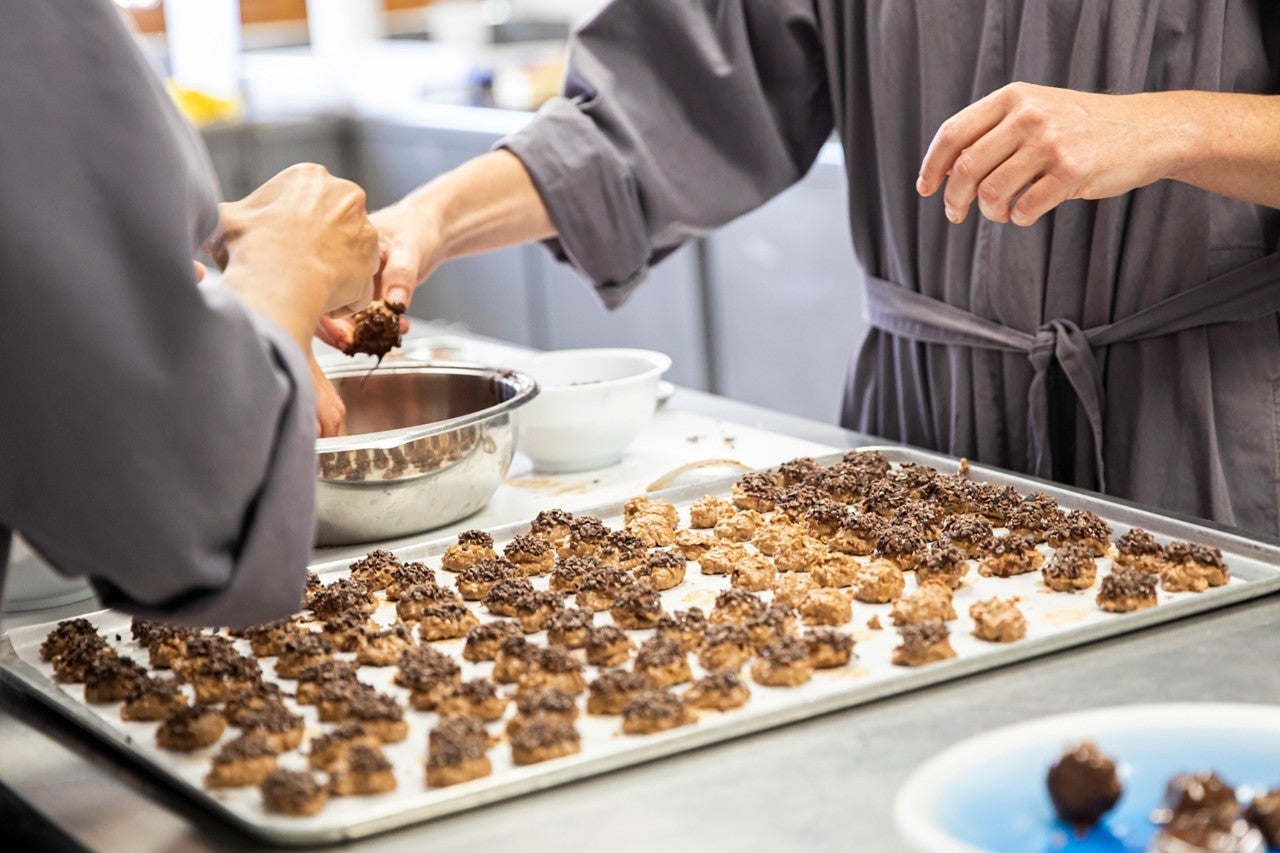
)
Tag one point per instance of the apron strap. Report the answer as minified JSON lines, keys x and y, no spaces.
{"x":1246,"y":293}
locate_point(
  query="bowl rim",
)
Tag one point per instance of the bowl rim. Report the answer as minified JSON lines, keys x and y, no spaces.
{"x":526,"y":388}
{"x":659,"y":362}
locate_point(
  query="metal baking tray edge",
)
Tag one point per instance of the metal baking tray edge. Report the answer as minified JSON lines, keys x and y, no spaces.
{"x":290,"y":832}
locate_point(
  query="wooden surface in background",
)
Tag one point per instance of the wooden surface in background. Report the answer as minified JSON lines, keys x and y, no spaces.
{"x":261,"y":12}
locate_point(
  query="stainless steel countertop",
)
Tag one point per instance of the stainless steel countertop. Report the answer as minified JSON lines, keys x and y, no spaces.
{"x":824,"y":784}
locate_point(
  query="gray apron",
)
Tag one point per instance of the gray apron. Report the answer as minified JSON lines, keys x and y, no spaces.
{"x":1248,"y":293}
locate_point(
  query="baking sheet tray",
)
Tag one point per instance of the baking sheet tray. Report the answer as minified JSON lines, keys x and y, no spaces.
{"x":1056,"y":621}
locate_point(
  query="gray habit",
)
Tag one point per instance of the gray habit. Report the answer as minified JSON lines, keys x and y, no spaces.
{"x":155,"y":436}
{"x":1058,"y":349}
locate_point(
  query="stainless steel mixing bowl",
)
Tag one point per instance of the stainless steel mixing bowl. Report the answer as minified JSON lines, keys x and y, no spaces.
{"x":428,"y":445}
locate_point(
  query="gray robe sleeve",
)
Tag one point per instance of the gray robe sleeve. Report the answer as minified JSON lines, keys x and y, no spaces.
{"x":677,"y":117}
{"x":155,"y":435}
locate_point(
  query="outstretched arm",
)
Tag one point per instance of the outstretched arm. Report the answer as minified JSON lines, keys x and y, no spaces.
{"x":677,"y":117}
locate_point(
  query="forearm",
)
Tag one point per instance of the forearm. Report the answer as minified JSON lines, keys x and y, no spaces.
{"x":1232,"y":143}
{"x":487,"y":203}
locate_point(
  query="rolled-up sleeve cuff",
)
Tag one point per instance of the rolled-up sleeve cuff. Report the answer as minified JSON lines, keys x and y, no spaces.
{"x":590,"y":196}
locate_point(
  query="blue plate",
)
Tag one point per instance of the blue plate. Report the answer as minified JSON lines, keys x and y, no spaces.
{"x":988,"y":793}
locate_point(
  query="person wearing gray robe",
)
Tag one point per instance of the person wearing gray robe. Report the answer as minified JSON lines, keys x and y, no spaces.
{"x":1128,"y":344}
{"x":156,"y":436}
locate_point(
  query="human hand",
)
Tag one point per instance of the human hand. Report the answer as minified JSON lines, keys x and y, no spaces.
{"x":410,"y":251}
{"x":412,"y":247}
{"x":300,"y":245}
{"x":1024,"y":149}
{"x":331,"y":412}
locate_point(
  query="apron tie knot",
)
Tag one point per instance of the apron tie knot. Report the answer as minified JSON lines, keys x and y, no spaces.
{"x":1062,"y":342}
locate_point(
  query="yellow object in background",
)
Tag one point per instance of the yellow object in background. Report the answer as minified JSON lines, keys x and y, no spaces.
{"x":204,"y":109}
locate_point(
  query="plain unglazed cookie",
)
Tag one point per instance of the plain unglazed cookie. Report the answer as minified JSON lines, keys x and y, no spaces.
{"x":791,"y":588}
{"x":998,"y":620}
{"x":774,"y":533}
{"x":930,"y":603}
{"x":706,"y":512}
{"x":653,"y":530}
{"x":754,"y":573}
{"x":826,"y":606}
{"x":693,"y":543}
{"x":799,"y":554}
{"x":837,"y":569}
{"x":720,"y":559}
{"x":639,"y":507}
{"x":879,"y":582}
{"x":739,"y":527}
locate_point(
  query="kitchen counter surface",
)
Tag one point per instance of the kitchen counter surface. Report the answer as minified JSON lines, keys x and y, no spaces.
{"x":826,"y":783}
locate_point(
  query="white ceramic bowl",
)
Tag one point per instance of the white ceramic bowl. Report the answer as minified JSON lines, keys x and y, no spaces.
{"x":592,"y":404}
